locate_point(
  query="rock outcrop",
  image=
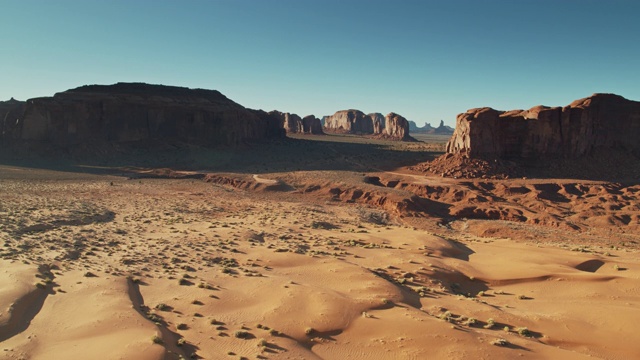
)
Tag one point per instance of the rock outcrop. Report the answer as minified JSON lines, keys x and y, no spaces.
{"x":442,"y":129}
{"x":10,"y":113}
{"x":378,"y":122}
{"x":129,"y":112}
{"x":415,"y":129}
{"x":312,"y":125}
{"x":396,"y":127}
{"x":601,"y":121}
{"x":392,"y":126}
{"x":349,"y":121}
{"x":293,"y":124}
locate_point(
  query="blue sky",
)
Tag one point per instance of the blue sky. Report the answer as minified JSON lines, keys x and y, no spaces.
{"x":426,"y":60}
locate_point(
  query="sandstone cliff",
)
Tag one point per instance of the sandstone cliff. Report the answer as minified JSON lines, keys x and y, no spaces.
{"x":293,"y":124}
{"x":10,"y":113}
{"x":378,"y":121}
{"x":127,"y":112}
{"x":600,"y":121}
{"x":349,"y":121}
{"x":396,"y":127}
{"x":312,"y":125}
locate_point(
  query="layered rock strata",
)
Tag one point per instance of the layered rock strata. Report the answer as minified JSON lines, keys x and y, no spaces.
{"x":129,"y":112}
{"x":601,"y":121}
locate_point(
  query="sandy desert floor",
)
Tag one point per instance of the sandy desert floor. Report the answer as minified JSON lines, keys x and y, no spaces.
{"x":355,"y":258}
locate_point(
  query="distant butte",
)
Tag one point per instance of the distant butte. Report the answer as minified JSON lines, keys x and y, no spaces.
{"x":392,"y":126}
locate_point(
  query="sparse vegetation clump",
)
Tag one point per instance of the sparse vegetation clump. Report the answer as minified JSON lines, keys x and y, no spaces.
{"x":490,"y":323}
{"x":500,"y":342}
{"x":470,"y":321}
{"x":157,"y":340}
{"x":162,"y":307}
{"x":241,"y":334}
{"x":446,"y":316}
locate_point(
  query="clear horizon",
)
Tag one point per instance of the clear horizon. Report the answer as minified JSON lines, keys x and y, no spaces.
{"x":425,"y":60}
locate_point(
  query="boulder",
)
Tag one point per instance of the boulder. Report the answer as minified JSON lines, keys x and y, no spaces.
{"x":601,"y":121}
{"x":127,"y":112}
{"x":396,"y":127}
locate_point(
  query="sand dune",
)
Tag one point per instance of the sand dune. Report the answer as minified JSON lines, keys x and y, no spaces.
{"x":222,"y":266}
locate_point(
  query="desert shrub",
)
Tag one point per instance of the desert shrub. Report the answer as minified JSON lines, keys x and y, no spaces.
{"x":157,"y":339}
{"x":241,"y":334}
{"x":500,"y":342}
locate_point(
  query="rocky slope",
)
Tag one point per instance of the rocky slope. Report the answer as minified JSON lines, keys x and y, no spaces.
{"x":601,"y":121}
{"x":129,"y":112}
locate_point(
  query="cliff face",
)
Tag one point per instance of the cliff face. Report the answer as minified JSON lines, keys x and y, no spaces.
{"x":10,"y":113}
{"x":378,"y":121}
{"x":598,"y":122}
{"x":312,"y":125}
{"x":293,"y":124}
{"x":127,"y":112}
{"x":396,"y":126}
{"x":349,"y":121}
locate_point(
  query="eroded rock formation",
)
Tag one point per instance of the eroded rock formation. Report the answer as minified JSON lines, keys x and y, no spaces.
{"x":600,"y":121}
{"x":311,"y":125}
{"x":349,"y":121}
{"x":127,"y":112}
{"x":396,"y":126}
{"x":293,"y":124}
{"x":378,"y":121}
{"x":10,"y":113}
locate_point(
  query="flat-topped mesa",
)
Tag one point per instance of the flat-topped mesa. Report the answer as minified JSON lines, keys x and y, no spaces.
{"x":349,"y":121}
{"x":601,"y":121}
{"x":129,"y":112}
